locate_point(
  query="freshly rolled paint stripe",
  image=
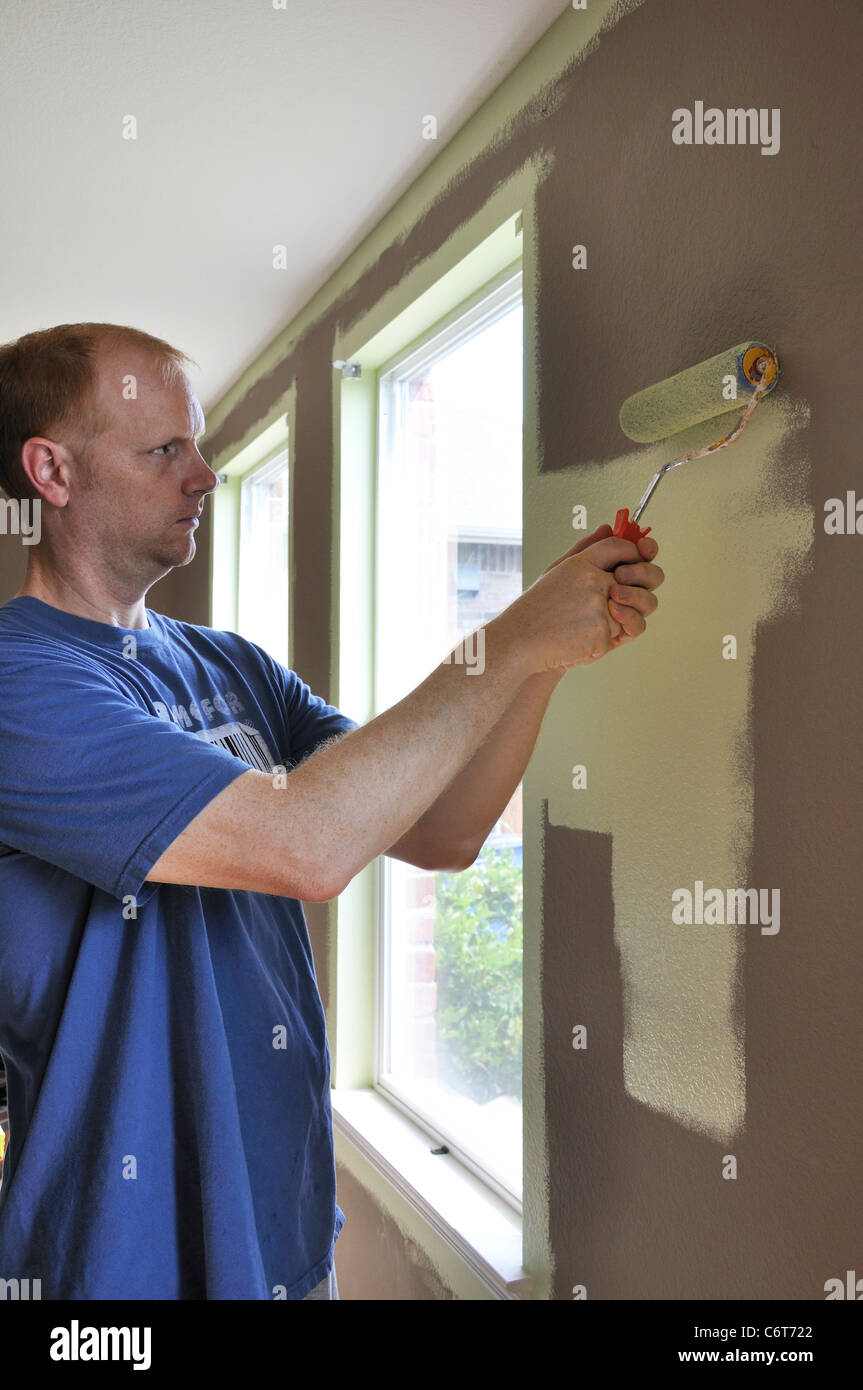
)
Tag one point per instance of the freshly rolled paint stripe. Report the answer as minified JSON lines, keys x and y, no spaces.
{"x":695,"y":394}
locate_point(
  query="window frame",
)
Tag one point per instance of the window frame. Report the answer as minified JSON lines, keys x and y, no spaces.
{"x":491,"y":302}
{"x":276,"y":462}
{"x":269,"y":439}
{"x":475,"y":1239}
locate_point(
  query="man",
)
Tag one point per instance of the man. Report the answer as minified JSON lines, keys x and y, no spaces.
{"x":168,"y":1069}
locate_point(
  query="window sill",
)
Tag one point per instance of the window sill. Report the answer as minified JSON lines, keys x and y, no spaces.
{"x":477,"y":1225}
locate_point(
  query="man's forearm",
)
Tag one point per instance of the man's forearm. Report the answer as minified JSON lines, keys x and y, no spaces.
{"x":450,"y":834}
{"x":399,"y":763}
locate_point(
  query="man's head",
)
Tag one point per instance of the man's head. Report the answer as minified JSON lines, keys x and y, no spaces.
{"x":100,"y":422}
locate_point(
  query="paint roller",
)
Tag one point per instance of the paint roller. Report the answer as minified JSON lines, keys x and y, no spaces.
{"x":699,"y":393}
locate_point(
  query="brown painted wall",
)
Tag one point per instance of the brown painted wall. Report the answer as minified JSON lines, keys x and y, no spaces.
{"x":691,"y":246}
{"x":13,"y":562}
{"x":374,"y":1259}
{"x":690,"y":250}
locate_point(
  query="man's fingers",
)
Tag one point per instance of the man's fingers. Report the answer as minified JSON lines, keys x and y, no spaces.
{"x":638,"y":552}
{"x":641,"y":599}
{"x":599,"y":534}
{"x":631,"y":622}
{"x":612,"y":551}
{"x":645,"y":575}
{"x":617,"y":631}
{"x":630,"y":598}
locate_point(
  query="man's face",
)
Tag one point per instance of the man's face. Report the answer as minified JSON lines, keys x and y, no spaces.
{"x":135,"y":502}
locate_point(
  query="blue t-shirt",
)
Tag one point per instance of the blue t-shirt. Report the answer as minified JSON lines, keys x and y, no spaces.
{"x":165,"y":1046}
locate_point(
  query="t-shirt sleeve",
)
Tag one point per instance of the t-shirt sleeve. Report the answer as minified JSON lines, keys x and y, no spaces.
{"x":91,"y":781}
{"x":308,"y":720}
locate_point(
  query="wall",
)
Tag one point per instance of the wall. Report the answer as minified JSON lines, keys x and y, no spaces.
{"x":702,"y":1041}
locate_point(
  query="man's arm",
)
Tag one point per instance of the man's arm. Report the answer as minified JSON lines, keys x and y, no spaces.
{"x":352,"y":801}
{"x":349,"y":801}
{"x":453,"y":830}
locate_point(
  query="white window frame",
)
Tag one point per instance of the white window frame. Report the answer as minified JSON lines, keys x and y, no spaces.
{"x":466,"y":1229}
{"x":261,"y":473}
{"x":489,"y":304}
{"x":269,"y":440}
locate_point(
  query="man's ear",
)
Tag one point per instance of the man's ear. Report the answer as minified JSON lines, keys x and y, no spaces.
{"x":48,"y":466}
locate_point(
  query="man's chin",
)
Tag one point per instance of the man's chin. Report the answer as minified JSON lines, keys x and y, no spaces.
{"x":175,"y":556}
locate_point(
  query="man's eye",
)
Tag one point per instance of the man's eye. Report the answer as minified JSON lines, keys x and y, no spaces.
{"x":162,"y":446}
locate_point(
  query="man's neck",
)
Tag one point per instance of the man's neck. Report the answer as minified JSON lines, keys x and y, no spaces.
{"x":90,"y":601}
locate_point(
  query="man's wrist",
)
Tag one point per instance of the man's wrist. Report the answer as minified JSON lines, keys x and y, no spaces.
{"x":509,"y":654}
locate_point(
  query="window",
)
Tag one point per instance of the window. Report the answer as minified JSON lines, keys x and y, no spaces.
{"x":264,"y":577}
{"x":448,"y":559}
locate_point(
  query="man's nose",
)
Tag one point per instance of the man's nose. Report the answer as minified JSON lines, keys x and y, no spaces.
{"x":205,"y":479}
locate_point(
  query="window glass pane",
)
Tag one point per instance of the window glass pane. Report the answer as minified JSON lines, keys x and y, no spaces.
{"x":449,"y":559}
{"x":264,"y":559}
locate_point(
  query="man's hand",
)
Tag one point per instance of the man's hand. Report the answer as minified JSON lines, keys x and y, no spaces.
{"x":587,"y":602}
{"x":630,"y":598}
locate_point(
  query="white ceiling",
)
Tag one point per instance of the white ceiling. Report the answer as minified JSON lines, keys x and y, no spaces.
{"x":256,"y":126}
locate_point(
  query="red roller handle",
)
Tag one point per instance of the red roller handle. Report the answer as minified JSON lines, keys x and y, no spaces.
{"x":628,"y":530}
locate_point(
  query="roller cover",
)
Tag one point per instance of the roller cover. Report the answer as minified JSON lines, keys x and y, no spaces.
{"x":691,"y":396}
